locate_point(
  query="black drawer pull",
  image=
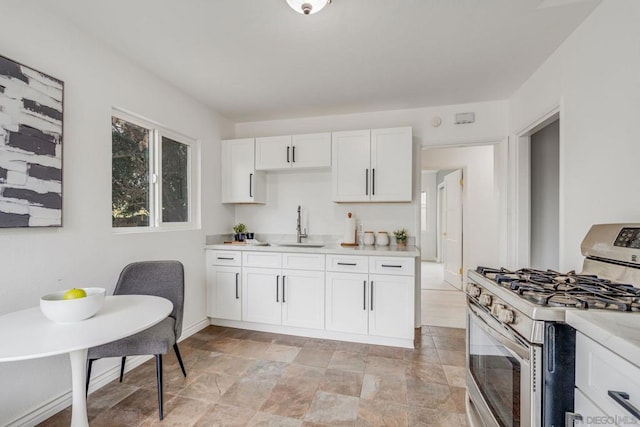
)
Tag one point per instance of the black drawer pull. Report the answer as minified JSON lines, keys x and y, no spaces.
{"x":622,"y":399}
{"x":364,"y":295}
{"x":391,"y":266}
{"x":226,"y":259}
{"x":283,"y":289}
{"x":277,"y":288}
{"x":288,"y":148}
{"x":371,"y":305}
{"x":352,"y":264}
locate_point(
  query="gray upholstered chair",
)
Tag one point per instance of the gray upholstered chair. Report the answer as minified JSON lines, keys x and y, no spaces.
{"x":160,"y":278}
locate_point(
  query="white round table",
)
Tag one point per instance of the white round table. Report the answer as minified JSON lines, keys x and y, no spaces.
{"x":27,"y":334}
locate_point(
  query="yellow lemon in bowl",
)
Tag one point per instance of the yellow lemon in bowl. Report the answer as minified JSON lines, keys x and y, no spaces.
{"x":74,"y":293}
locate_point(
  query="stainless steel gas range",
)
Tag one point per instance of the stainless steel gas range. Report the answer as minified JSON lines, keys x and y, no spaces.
{"x":520,"y":352}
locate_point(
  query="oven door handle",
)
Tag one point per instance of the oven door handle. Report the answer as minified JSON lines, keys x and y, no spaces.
{"x":518,"y":350}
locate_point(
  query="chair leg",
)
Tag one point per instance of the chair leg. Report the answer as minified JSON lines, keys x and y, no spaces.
{"x":124,"y":358}
{"x":159,"y":377}
{"x":175,"y":348}
{"x":89,"y":363}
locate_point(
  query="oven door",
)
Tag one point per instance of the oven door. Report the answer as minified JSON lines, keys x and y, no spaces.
{"x":502,"y":372}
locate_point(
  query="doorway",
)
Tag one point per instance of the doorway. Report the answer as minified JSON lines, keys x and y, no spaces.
{"x":537,"y":237}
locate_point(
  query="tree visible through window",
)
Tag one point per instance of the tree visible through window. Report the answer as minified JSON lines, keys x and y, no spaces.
{"x":150,"y":183}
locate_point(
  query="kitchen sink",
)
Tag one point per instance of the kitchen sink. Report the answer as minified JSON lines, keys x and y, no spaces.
{"x":301,"y":245}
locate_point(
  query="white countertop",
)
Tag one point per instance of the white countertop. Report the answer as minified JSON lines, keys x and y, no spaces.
{"x":409,"y":251}
{"x":617,"y":331}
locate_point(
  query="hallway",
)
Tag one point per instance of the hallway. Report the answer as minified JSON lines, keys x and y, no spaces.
{"x":442,"y":304}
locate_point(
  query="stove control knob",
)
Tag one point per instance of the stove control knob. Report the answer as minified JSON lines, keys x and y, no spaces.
{"x":496,"y":309}
{"x":485,"y":300}
{"x":506,"y":316}
{"x":474,"y":291}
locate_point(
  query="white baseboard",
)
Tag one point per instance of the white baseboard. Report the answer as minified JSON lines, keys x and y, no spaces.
{"x":55,"y":405}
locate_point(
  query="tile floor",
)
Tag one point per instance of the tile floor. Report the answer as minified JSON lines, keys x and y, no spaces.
{"x":237,"y":378}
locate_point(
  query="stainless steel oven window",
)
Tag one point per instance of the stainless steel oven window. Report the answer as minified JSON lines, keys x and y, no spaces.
{"x":501,"y":372}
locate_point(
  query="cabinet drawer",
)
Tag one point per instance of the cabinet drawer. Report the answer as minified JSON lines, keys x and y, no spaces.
{"x":391,"y":265}
{"x":262,"y":259}
{"x":303,"y":261}
{"x":230,"y":258}
{"x":599,"y":370}
{"x":347,"y":263}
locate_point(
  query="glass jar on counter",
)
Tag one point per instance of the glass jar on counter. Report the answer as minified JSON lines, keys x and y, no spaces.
{"x":382,"y":239}
{"x":369,"y":238}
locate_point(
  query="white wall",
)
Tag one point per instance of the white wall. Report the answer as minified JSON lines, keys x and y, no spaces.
{"x":428,"y":246}
{"x":480,"y":200}
{"x":85,"y":250}
{"x":312,"y":190}
{"x":595,"y":78}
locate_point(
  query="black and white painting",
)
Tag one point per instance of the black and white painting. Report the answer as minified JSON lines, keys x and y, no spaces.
{"x":30,"y":147}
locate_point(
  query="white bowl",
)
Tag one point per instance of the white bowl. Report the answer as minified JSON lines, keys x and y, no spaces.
{"x":60,"y":310}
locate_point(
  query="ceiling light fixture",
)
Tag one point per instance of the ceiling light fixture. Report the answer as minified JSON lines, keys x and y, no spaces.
{"x":307,"y":7}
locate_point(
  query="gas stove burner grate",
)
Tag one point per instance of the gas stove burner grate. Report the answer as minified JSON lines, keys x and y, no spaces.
{"x":554,"y":289}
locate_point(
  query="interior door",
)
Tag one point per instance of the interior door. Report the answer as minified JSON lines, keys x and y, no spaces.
{"x":453,"y":228}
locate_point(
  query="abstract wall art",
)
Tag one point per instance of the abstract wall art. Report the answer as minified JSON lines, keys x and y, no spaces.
{"x":30,"y":147}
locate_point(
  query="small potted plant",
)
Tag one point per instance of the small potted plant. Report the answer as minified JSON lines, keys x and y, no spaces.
{"x":401,"y":237}
{"x":239,"y":230}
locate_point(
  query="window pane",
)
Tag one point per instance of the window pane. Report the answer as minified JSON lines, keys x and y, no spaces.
{"x":130,"y":174}
{"x":175,"y":181}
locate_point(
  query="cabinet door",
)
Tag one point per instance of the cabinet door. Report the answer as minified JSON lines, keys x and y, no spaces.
{"x":347,"y":302}
{"x":391,"y":165}
{"x":391,"y":306}
{"x":351,"y":171}
{"x":261,"y":295}
{"x":590,"y":413}
{"x":311,"y":150}
{"x":303,"y":298}
{"x":224,"y":292}
{"x":240,"y":182}
{"x":273,"y":153}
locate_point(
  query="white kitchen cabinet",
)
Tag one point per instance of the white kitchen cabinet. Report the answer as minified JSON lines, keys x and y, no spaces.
{"x":347,"y":308}
{"x":303,"y":298}
{"x":391,"y":306}
{"x":262,"y":298}
{"x":241,"y":183}
{"x":599,"y":373}
{"x":291,"y":297}
{"x":293,"y":152}
{"x":374,"y":304}
{"x":224,"y":288}
{"x":372,"y":165}
{"x":589,"y":415}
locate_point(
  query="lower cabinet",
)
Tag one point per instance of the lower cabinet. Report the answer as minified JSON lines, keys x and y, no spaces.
{"x":284,"y":297}
{"x":362,"y":296}
{"x":370,"y":304}
{"x":224,"y":288}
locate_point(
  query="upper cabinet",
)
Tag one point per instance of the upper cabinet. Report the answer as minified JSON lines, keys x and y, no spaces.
{"x":372,"y":165}
{"x":291,"y":152}
{"x":241,"y":183}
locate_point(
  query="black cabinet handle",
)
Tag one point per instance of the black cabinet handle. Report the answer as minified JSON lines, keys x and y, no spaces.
{"x":237,"y":279}
{"x":288,"y":148}
{"x":366,"y":182}
{"x":353,"y":264}
{"x":391,"y":266}
{"x":371,"y":305}
{"x":364,"y":295}
{"x":284,"y":294}
{"x":277,"y":288}
{"x":373,"y":182}
{"x":293,"y":155}
{"x":250,"y":185}
{"x":622,"y":399}
{"x":224,"y":258}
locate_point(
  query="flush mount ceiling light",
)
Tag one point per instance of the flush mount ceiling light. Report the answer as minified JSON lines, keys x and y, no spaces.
{"x":307,"y":7}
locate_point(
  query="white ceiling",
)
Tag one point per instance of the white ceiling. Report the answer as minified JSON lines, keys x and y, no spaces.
{"x":258,"y":59}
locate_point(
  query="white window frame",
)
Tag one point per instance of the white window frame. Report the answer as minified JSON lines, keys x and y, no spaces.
{"x":157,"y":131}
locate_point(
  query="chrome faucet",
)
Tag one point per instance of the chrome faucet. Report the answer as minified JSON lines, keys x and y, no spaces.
{"x":299,"y":234}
